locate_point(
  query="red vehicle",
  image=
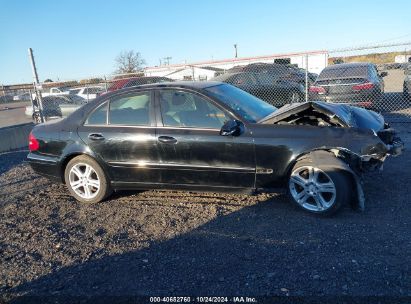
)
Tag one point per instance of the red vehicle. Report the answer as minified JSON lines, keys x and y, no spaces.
{"x":135,"y":81}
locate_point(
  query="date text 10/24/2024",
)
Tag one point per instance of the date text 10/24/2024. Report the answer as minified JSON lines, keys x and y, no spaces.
{"x":203,"y":300}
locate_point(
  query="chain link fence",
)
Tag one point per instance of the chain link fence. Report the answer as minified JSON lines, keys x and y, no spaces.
{"x":386,"y":88}
{"x":377,"y":78}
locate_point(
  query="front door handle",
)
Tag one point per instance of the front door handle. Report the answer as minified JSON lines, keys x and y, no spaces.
{"x":167,"y":139}
{"x":96,"y":136}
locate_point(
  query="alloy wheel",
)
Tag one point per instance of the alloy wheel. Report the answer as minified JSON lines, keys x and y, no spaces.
{"x":84,"y":181}
{"x":312,"y":188}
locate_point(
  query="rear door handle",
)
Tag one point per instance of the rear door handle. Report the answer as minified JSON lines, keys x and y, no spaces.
{"x":167,"y":139}
{"x":96,"y":136}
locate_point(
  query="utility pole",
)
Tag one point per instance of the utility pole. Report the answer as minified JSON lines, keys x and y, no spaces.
{"x":36,"y":84}
{"x":166,"y":60}
{"x":235,"y":47}
{"x":306,"y":77}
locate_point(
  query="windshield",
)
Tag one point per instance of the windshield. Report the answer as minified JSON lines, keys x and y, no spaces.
{"x":248,"y":106}
{"x":343,"y":71}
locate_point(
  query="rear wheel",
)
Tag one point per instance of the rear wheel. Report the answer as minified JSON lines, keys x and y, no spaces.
{"x":316,"y":189}
{"x":86,"y":180}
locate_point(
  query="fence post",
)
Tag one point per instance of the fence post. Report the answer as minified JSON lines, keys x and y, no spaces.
{"x":105,"y":83}
{"x":306,"y":77}
{"x":36,"y":85}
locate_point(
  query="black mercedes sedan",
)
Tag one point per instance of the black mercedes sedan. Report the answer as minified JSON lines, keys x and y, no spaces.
{"x":211,"y":136}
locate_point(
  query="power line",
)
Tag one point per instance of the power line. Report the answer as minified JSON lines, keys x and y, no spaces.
{"x":399,"y":37}
{"x":366,"y":47}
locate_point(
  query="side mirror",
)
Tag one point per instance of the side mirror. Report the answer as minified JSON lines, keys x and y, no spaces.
{"x":233,"y":128}
{"x":383,"y":74}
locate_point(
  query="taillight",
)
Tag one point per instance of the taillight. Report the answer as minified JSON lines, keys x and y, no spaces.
{"x":363,"y":86}
{"x":33,"y":143}
{"x":318,"y":90}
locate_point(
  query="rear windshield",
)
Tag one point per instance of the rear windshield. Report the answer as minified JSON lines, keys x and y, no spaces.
{"x":343,"y":72}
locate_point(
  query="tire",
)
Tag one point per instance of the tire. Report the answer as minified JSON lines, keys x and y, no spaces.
{"x":311,"y":192}
{"x":86,"y":180}
{"x":36,"y":117}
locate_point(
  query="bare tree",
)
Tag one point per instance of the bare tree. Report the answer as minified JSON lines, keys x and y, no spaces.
{"x":129,"y":62}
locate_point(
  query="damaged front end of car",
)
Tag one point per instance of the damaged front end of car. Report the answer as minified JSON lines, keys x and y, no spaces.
{"x":371,"y":155}
{"x":363,"y":144}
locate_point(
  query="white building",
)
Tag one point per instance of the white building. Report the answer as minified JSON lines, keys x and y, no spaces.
{"x":402,"y":58}
{"x":317,"y":60}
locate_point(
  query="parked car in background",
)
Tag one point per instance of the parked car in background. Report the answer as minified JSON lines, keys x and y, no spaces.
{"x":118,"y":84}
{"x":407,"y":82}
{"x":282,"y":71}
{"x":353,"y":83}
{"x":146,"y":80}
{"x":57,"y":91}
{"x":211,"y":136}
{"x":6,"y":98}
{"x":88,"y":93}
{"x":22,"y":97}
{"x":55,"y":106}
{"x":266,"y":85}
{"x":135,"y":81}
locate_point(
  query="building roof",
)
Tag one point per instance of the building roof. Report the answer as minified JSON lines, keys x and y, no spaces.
{"x":235,"y":60}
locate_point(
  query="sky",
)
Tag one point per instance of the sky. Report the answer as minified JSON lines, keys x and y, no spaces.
{"x":81,"y":39}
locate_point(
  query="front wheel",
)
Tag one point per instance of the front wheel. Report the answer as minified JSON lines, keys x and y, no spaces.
{"x":316,"y":189}
{"x":86,"y":180}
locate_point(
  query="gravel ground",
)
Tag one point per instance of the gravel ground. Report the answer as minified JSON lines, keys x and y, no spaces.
{"x":177,"y":243}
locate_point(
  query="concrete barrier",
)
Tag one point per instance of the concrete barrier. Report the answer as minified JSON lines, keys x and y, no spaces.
{"x":15,"y":137}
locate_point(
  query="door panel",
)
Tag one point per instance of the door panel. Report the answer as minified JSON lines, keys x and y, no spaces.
{"x":191,"y":149}
{"x":126,"y":140}
{"x":205,"y":157}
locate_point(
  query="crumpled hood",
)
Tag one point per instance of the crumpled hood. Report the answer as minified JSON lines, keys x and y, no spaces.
{"x":349,"y":116}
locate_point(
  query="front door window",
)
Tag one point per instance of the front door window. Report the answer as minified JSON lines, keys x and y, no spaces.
{"x":187,"y":110}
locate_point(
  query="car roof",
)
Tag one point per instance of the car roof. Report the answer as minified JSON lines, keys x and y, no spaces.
{"x":194,"y":85}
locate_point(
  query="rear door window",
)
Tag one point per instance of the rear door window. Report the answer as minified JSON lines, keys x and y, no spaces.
{"x":131,"y":110}
{"x":98,"y":116}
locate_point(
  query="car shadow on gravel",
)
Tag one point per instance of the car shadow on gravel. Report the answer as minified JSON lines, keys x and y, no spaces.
{"x":267,"y":248}
{"x":179,"y":243}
